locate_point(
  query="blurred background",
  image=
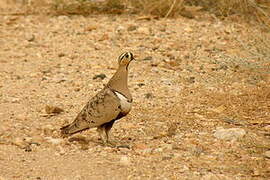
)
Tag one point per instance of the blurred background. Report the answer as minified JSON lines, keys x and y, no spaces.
{"x":249,"y":9}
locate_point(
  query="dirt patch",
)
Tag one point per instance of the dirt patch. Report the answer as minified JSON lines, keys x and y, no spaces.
{"x":191,"y":77}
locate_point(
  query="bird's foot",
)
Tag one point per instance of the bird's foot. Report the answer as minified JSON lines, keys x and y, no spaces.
{"x":112,"y":144}
{"x":115,"y":144}
{"x":109,"y":144}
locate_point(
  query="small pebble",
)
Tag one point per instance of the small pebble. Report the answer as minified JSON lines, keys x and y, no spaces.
{"x":48,"y":130}
{"x":53,"y":109}
{"x":167,"y":146}
{"x":141,"y":84}
{"x":55,"y":141}
{"x":144,"y":30}
{"x":149,"y":95}
{"x":20,"y":143}
{"x":148,"y":58}
{"x":125,"y":160}
{"x":267,"y":154}
{"x":132,"y":28}
{"x":191,"y":80}
{"x":229,"y":134}
{"x":61,"y":54}
{"x":30,"y":37}
{"x":99,"y":76}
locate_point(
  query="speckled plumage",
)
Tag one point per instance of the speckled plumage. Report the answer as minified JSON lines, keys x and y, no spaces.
{"x":110,"y":104}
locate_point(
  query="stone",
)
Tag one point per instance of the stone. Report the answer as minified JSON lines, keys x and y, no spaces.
{"x":21,"y":117}
{"x":267,"y":128}
{"x":184,"y":168}
{"x":125,"y":160}
{"x":219,"y":109}
{"x":61,"y":54}
{"x":267,"y":154}
{"x":90,"y":28}
{"x":191,"y":79}
{"x":144,"y":30}
{"x":132,"y":28}
{"x":58,"y":79}
{"x":211,"y":176}
{"x":55,"y":141}
{"x":53,"y":109}
{"x":166,"y":157}
{"x":15,"y":100}
{"x":229,"y":134}
{"x":120,"y":29}
{"x":167,"y":146}
{"x":21,"y":143}
{"x":140,"y":146}
{"x":166,"y":82}
{"x":158,"y":150}
{"x":148,"y":95}
{"x":30,"y":37}
{"x":63,"y":18}
{"x":78,"y":177}
{"x":141,"y":84}
{"x":99,"y":76}
{"x":148,"y":58}
{"x":35,"y":140}
{"x":146,"y":151}
{"x":61,"y":150}
{"x":188,"y":29}
{"x":48,"y":130}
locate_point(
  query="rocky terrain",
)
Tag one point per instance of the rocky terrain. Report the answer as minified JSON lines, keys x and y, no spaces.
{"x":200,"y":88}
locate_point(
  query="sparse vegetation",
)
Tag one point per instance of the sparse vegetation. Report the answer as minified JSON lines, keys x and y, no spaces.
{"x":249,"y":9}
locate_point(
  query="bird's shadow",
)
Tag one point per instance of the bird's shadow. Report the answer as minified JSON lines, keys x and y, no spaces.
{"x":85,"y":142}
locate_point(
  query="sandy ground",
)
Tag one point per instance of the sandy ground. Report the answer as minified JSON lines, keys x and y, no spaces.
{"x":192,"y":78}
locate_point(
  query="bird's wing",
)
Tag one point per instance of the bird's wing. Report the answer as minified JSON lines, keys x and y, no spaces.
{"x":102,"y":108}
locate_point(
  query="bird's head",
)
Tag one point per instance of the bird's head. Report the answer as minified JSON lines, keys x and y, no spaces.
{"x":125,"y":58}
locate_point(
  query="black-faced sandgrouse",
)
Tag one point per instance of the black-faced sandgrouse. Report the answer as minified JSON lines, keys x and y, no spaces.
{"x":110,"y":104}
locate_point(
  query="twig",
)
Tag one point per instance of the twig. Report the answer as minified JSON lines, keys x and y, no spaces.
{"x":171,"y":8}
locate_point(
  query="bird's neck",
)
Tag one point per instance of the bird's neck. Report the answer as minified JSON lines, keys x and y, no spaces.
{"x":119,"y":81}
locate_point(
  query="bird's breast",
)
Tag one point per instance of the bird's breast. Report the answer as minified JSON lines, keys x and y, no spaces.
{"x":124,"y":102}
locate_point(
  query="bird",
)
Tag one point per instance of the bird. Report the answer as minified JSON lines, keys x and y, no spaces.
{"x":112,"y":103}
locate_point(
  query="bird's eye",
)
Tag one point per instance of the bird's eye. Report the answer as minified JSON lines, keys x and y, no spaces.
{"x":127,"y":56}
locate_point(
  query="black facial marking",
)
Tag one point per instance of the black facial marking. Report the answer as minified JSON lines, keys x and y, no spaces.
{"x":131,"y":56}
{"x":122,"y":56}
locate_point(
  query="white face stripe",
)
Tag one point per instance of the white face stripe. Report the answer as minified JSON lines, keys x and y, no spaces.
{"x":124,"y":54}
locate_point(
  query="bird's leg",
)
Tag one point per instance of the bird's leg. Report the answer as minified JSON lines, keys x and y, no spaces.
{"x":108,"y":127}
{"x":107,"y":131}
{"x":104,"y":131}
{"x":114,"y":143}
{"x":104,"y":135}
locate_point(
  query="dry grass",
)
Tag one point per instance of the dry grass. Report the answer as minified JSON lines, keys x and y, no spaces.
{"x":250,"y":9}
{"x":161,"y":8}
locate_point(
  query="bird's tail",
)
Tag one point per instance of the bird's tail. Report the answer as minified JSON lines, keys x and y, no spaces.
{"x":74,"y":128}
